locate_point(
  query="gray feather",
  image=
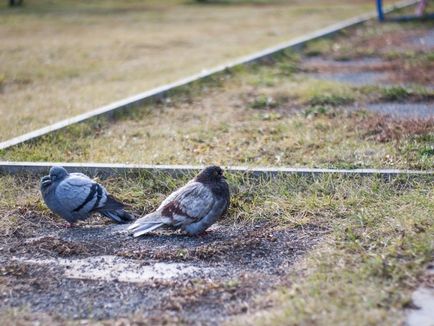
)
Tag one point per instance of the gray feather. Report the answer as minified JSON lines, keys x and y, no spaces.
{"x":193,"y":208}
{"x":74,"y":196}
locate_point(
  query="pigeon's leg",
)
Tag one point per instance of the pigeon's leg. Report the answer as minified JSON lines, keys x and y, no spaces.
{"x":69,"y":225}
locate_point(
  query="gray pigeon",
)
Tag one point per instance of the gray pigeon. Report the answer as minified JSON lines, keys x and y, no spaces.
{"x":74,"y":196}
{"x":192,"y":208}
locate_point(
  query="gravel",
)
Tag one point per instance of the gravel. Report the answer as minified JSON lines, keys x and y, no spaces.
{"x":100,"y":272}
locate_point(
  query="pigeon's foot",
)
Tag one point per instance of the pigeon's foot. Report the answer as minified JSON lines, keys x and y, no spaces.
{"x":69,"y":225}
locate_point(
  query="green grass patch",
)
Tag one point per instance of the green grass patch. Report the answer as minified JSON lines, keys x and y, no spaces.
{"x":395,"y":93}
{"x":381,"y":237}
{"x":399,"y":93}
{"x":330,"y":99}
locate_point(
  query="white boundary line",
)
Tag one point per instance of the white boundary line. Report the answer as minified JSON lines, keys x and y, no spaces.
{"x":105,"y":170}
{"x":139,"y":99}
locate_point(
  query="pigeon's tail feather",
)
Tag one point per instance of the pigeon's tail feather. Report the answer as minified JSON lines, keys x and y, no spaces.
{"x":112,"y":204}
{"x":147,"y":224}
{"x":146,"y":228}
{"x":113,"y":209}
{"x":119,"y":215}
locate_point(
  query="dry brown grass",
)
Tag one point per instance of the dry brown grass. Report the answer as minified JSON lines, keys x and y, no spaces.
{"x":64,"y":58}
{"x":385,"y":129}
{"x":243,"y":121}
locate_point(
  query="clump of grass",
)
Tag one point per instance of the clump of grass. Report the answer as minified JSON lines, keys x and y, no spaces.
{"x":427,"y":150}
{"x":288,"y":68}
{"x":287,"y":55}
{"x":330,"y":99}
{"x":318,"y":47}
{"x":395,"y":93}
{"x":288,"y":63}
{"x":263,"y":102}
{"x":324,"y":93}
{"x":415,"y":93}
{"x":319,"y":110}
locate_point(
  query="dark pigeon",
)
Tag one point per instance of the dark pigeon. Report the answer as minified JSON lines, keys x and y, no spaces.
{"x":74,"y":196}
{"x":192,"y":208}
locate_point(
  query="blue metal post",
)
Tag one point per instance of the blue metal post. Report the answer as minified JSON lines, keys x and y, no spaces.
{"x":380,"y":10}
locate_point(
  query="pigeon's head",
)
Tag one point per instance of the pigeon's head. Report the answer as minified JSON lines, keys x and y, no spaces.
{"x":57,"y":173}
{"x":211,"y":173}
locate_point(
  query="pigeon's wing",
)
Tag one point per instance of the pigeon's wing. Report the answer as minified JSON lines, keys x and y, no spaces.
{"x":79,"y":174}
{"x":215,"y":212}
{"x":188,"y":204}
{"x":81,"y":195}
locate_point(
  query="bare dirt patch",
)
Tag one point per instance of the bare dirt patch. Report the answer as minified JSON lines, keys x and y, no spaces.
{"x":193,"y":279}
{"x":392,"y":54}
{"x":408,"y":110}
{"x":371,"y":71}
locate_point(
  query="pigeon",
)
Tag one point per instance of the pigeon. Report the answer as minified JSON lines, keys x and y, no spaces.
{"x":74,"y":196}
{"x":192,"y":208}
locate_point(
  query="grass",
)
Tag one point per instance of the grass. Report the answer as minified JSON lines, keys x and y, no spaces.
{"x":380,"y":236}
{"x":244,"y":121}
{"x":371,"y":261}
{"x":395,"y":94}
{"x":379,"y":232}
{"x":269,"y":114}
{"x":61,"y":59}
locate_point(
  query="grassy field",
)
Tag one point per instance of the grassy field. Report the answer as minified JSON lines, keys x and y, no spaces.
{"x":64,"y":58}
{"x":275,"y":114}
{"x":378,"y":237}
{"x":297,"y":250}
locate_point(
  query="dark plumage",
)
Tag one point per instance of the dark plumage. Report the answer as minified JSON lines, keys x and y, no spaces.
{"x":192,"y":208}
{"x":74,"y":196}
